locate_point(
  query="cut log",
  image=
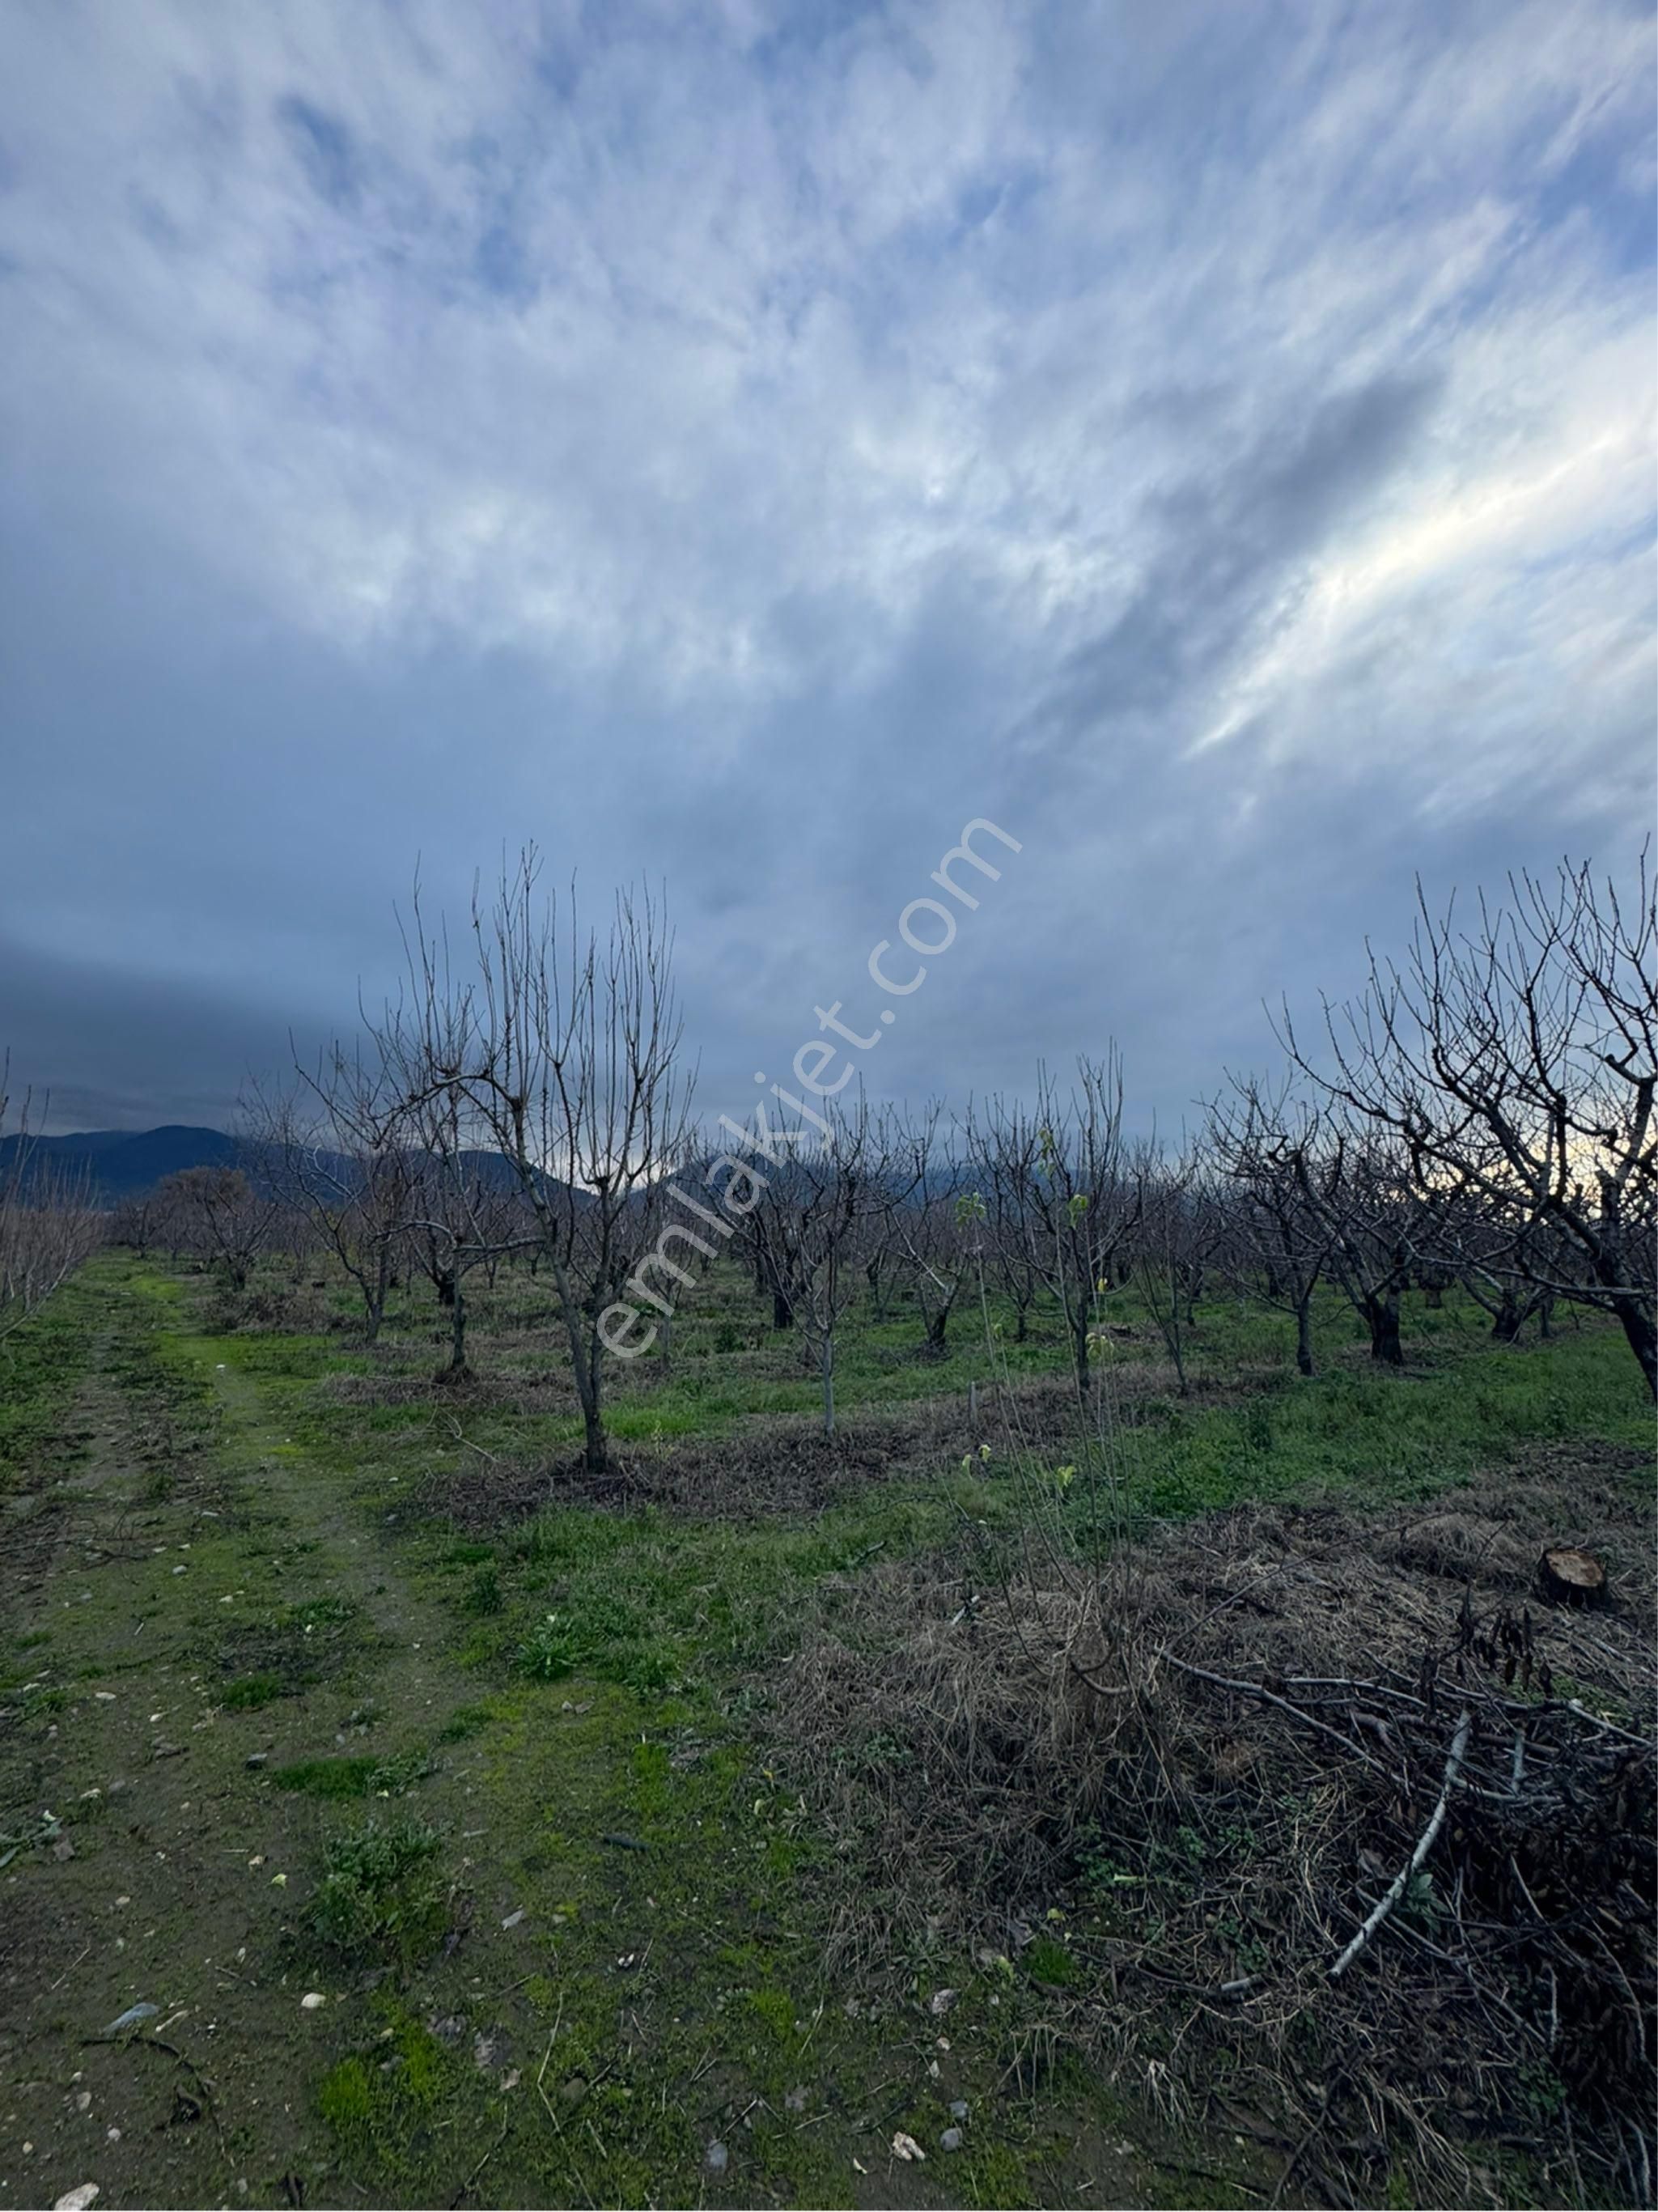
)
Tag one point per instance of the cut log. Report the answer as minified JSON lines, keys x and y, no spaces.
{"x":1571,"y":1576}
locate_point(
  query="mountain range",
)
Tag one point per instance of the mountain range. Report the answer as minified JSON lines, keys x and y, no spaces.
{"x":123,"y":1163}
{"x":119,"y":1163}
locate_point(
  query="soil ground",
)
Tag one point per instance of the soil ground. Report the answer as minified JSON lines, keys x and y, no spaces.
{"x":259,"y":1605}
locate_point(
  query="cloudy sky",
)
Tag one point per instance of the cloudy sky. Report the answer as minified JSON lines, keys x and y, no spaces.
{"x":737,"y":443}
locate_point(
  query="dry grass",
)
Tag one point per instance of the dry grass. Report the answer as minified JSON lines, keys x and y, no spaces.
{"x":983,"y":1749}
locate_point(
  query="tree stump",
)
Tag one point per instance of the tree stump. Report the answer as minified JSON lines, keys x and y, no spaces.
{"x":1568,"y":1575}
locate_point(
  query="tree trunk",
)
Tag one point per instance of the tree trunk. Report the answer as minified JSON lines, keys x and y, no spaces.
{"x":1022,"y":1327}
{"x":1381,"y":1312}
{"x":457,"y":1329}
{"x":1637,"y":1318}
{"x":935,"y":1335}
{"x":1508,"y":1319}
{"x":1080,"y":1350}
{"x":594,"y":1456}
{"x":374,"y":1300}
{"x":585,"y":1360}
{"x":1304,"y":1335}
{"x":782,"y":1312}
{"x":828,"y":1382}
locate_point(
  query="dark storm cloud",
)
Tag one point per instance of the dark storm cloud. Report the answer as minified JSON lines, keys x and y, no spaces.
{"x":132,"y":1051}
{"x":741,"y":446}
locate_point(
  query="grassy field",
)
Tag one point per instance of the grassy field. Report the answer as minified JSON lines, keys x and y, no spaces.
{"x":445,"y":1803}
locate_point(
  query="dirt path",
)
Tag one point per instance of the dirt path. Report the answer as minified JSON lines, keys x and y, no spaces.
{"x":237,"y":1656}
{"x":156,"y":1865}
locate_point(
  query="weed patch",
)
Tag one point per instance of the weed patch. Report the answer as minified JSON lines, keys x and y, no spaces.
{"x":380,"y":1895}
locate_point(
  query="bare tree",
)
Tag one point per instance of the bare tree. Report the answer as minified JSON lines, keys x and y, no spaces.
{"x":461,"y":1214}
{"x":137,"y":1222}
{"x":1002,"y":1146}
{"x":337,"y":1149}
{"x":1068,"y":1187}
{"x":221,"y":1215}
{"x":830,"y":1185}
{"x":1177,"y":1231}
{"x":929,"y":1228}
{"x":1271,"y":1146}
{"x":48,"y":1225}
{"x":1365,"y":1196}
{"x":1518,"y":1061}
{"x":564,"y":1049}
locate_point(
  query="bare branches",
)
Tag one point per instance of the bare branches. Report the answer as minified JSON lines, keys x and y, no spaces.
{"x":559,"y":1051}
{"x":47,"y":1222}
{"x":1515,"y":1064}
{"x":1061,"y":1181}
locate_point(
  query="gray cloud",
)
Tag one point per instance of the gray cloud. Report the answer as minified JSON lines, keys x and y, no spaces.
{"x":738,"y":446}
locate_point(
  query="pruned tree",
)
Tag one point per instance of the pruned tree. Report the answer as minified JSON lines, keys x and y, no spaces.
{"x":832,"y":1183}
{"x":462,"y":1213}
{"x":1068,"y":1185}
{"x":1516,"y":1061}
{"x":1177,"y":1228}
{"x":1003,"y":1146}
{"x":929,"y":1228}
{"x":1362,"y":1192}
{"x":561,"y":1050}
{"x":337,"y":1149}
{"x":1284,"y":1176}
{"x":221,"y":1215}
{"x":137,"y":1222}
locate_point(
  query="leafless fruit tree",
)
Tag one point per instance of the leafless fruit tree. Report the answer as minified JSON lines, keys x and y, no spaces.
{"x":336,"y":1148}
{"x":1180,"y":1223}
{"x":1002,"y":1144}
{"x":462,"y":1213}
{"x":1515,"y":1062}
{"x":221,"y":1215}
{"x":932,"y":1229}
{"x":1270,"y":1147}
{"x":1062,"y":1173}
{"x":48,"y":1225}
{"x":562,"y":1049}
{"x":833,"y":1187}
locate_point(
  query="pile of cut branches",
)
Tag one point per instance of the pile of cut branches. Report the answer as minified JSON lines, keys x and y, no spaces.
{"x":1351,"y":1859}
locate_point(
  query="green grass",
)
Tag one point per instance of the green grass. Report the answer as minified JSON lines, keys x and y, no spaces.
{"x":381,"y":1894}
{"x":40,"y":1370}
{"x":361,"y":1777}
{"x":592,"y":1673}
{"x":249,"y":1693}
{"x":1368,"y":1436}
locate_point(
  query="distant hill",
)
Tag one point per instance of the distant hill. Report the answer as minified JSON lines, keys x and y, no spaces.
{"x":121,"y":1163}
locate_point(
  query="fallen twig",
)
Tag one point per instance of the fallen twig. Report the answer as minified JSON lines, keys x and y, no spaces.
{"x":1271,"y":1698}
{"x":1397,"y":1888}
